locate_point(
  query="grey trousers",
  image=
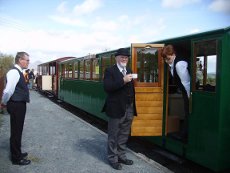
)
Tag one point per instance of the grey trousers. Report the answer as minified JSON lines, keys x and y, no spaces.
{"x":118,"y":134}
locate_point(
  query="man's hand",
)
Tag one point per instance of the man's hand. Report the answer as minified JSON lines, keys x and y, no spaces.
{"x":2,"y":106}
{"x":127,"y":78}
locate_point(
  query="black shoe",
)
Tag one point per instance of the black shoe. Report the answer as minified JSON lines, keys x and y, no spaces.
{"x":116,"y":165}
{"x":126,"y":161}
{"x":24,"y":155}
{"x":21,"y":162}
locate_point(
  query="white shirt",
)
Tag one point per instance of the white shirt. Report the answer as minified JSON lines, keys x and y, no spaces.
{"x":182,"y":71}
{"x":121,"y":68}
{"x":12,"y":79}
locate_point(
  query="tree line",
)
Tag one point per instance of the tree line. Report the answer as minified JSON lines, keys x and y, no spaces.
{"x":6,"y":63}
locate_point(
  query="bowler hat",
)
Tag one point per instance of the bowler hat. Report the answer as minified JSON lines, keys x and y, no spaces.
{"x":122,"y":51}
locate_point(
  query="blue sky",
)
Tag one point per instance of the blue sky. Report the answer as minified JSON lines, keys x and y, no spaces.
{"x":51,"y":29}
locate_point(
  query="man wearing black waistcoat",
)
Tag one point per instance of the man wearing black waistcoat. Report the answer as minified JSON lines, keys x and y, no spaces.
{"x":15,"y":96}
{"x":120,"y":108}
{"x":179,"y":70}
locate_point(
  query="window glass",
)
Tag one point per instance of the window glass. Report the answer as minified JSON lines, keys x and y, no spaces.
{"x":205,"y":68}
{"x":81,"y":69}
{"x":95,"y":69}
{"x":147,"y":65}
{"x":106,"y":62}
{"x":44,"y":70}
{"x":70,"y":70}
{"x":52,"y":69}
{"x":62,"y":70}
{"x":66,"y":71}
{"x":87,"y":69}
{"x":76,"y":70}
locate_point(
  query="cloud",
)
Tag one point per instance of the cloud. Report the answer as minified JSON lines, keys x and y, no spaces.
{"x":97,"y":36}
{"x":88,"y":6}
{"x":220,"y":6}
{"x":74,"y":16}
{"x":61,"y":8}
{"x":68,"y":20}
{"x":177,"y":3}
{"x":195,"y":30}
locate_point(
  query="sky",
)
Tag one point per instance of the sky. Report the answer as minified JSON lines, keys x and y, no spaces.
{"x":50,"y":29}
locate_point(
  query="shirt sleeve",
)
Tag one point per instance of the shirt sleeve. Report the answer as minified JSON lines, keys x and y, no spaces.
{"x":182,"y":71}
{"x":12,"y":79}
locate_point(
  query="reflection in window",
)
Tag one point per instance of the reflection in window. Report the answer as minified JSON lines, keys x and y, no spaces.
{"x":52,"y":69}
{"x":87,"y":69}
{"x":66,"y":71}
{"x":147,"y":65}
{"x":70,"y":70}
{"x":81,"y":69}
{"x":76,"y":70}
{"x":206,"y":60}
{"x":63,"y":70}
{"x":106,"y":62}
{"x":95,"y":69}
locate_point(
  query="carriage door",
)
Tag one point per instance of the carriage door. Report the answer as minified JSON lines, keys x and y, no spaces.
{"x":203,"y":97}
{"x":148,"y":65}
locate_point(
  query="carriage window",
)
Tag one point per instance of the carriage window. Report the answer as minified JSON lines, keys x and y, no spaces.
{"x":113,"y":61}
{"x":76,"y":70}
{"x":63,"y":70}
{"x":52,"y":68}
{"x":106,"y":62}
{"x":205,"y":65}
{"x":95,"y":69}
{"x":45,"y":70}
{"x":66,"y":71}
{"x":81,"y":69}
{"x":147,"y":65}
{"x":70,"y":70}
{"x":87,"y":69}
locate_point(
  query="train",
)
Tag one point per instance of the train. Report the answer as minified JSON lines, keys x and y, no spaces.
{"x":79,"y":82}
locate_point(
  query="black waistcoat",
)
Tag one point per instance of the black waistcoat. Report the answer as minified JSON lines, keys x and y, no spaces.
{"x":21,"y":92}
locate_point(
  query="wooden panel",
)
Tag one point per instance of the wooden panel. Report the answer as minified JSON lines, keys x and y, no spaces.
{"x":147,"y":129}
{"x":148,"y":117}
{"x":149,"y":103}
{"x":148,"y":89}
{"x":146,"y":133}
{"x":148,"y":97}
{"x":147,"y":123}
{"x":149,"y":110}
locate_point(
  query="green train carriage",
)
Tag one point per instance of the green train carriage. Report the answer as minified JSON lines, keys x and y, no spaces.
{"x":159,"y":103}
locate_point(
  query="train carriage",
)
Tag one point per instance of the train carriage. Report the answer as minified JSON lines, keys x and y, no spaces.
{"x":159,"y":102}
{"x":47,"y":79}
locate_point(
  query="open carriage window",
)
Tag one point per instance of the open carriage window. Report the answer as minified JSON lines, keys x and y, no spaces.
{"x":205,"y":63}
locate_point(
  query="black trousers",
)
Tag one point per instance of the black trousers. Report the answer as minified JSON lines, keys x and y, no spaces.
{"x":118,"y":134}
{"x":17,"y":111}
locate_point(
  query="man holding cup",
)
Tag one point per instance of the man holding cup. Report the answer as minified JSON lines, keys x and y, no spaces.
{"x":120,"y":107}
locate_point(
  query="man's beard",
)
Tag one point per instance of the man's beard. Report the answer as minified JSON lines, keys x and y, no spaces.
{"x":123,"y":64}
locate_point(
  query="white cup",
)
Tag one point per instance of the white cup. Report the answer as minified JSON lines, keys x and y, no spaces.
{"x":134,"y":76}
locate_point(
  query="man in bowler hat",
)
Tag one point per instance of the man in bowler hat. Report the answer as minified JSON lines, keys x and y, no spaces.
{"x":15,"y":96}
{"x":120,"y":108}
